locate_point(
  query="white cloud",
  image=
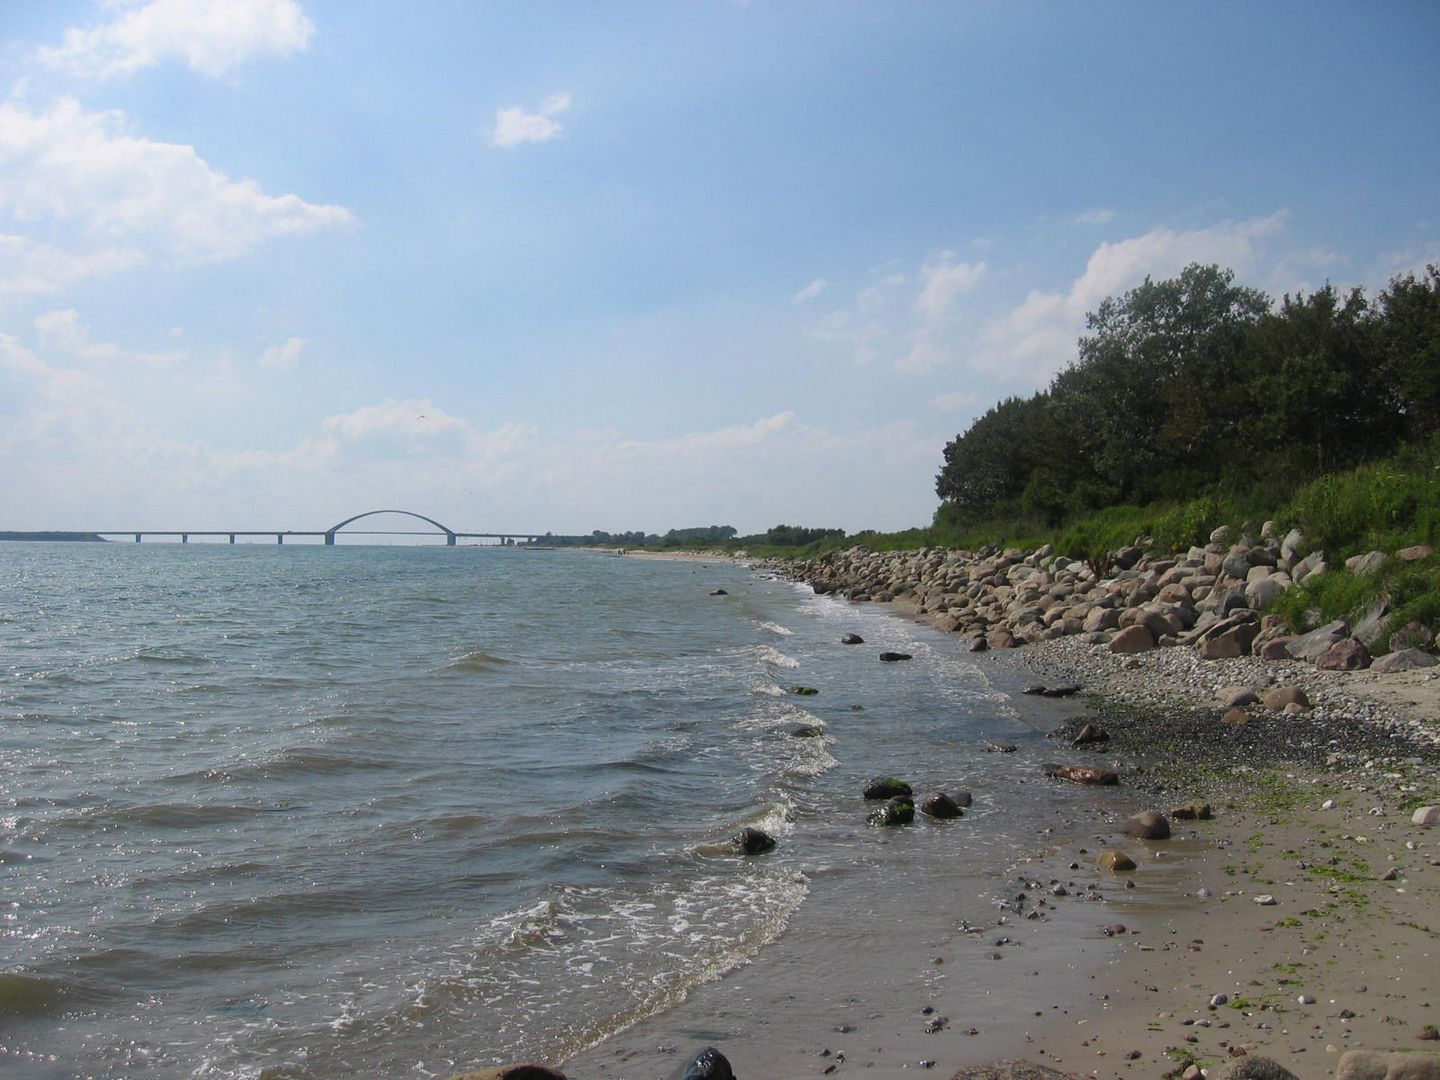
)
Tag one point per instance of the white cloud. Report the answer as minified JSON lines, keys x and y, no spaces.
{"x":77,"y":168}
{"x":62,"y":331}
{"x":212,"y":37}
{"x":1100,"y":215}
{"x":28,"y":268}
{"x":1037,"y":338}
{"x":280,"y":357}
{"x":809,"y":292}
{"x":514,"y":125}
{"x":943,"y":280}
{"x":414,"y":420}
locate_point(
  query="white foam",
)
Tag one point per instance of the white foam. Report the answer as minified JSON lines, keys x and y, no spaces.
{"x":776,"y":628}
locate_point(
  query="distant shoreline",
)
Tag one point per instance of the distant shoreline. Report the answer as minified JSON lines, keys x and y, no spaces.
{"x":65,"y":537}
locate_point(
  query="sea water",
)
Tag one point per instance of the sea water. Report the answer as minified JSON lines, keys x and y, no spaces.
{"x":357,"y":811}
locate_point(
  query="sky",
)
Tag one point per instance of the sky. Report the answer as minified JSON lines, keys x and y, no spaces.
{"x":548,"y":266}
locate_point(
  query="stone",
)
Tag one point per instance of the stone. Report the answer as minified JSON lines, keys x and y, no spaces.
{"x":807,"y":731}
{"x":939,"y":805}
{"x":1404,"y":660}
{"x":1259,"y":1068}
{"x":1090,"y":734}
{"x":1412,"y":635}
{"x":1376,"y":1065}
{"x":1000,"y":748}
{"x":963,"y":798}
{"x":894,"y":657}
{"x":1193,"y":811}
{"x":1083,"y":774}
{"x":887,"y":787}
{"x":1370,"y":627}
{"x":1148,"y":825}
{"x":511,"y":1072}
{"x":898,"y":811}
{"x":1313,"y":645}
{"x":1426,"y":815}
{"x":977,"y":643}
{"x":752,"y":841}
{"x":852,"y":639}
{"x":1366,"y":564}
{"x":1220,"y":535}
{"x":804,"y":691}
{"x":1000,"y":638}
{"x":1011,"y":1070}
{"x":708,"y":1064}
{"x":1232,"y":697}
{"x":719,"y":592}
{"x":1235,"y":717}
{"x":1277,"y":648}
{"x":1278,"y":698}
{"x":1347,"y":655}
{"x":1414,"y":554}
{"x":1101,"y":618}
{"x":1133,"y":639}
{"x":1116,"y":861}
{"x":1264,"y":592}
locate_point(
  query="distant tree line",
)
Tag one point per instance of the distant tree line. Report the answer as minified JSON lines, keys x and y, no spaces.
{"x":702,"y":536}
{"x":1198,"y":383}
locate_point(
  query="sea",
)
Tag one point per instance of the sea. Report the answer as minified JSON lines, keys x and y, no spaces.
{"x":306,"y":812}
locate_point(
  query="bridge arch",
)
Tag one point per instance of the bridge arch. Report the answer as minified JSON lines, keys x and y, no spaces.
{"x":450,"y":533}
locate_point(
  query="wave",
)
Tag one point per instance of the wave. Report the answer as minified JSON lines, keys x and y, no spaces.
{"x":22,"y":994}
{"x":776,"y":628}
{"x":476,"y":660}
{"x":300,"y":760}
{"x":775,"y":657}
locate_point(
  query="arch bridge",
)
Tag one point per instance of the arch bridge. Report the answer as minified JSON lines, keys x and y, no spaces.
{"x":451,"y":535}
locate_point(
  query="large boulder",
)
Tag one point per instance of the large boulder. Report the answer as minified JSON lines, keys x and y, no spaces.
{"x":1366,"y":564}
{"x":1347,"y":655}
{"x":1011,"y":1070}
{"x":1115,"y":860}
{"x":1314,"y":645}
{"x":708,"y":1064}
{"x":1265,"y":591}
{"x":512,"y":1072}
{"x":1414,"y":554}
{"x":1133,"y":639}
{"x":939,"y":805}
{"x":1403,"y":660}
{"x":752,"y":841}
{"x":1147,"y":825}
{"x":887,"y":787}
{"x":1282,"y":696}
{"x":898,"y":811}
{"x":1253,"y":1067}
{"x":1370,"y":627}
{"x":1412,"y":635}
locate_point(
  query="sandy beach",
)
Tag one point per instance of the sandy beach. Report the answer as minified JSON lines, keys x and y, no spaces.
{"x":1300,"y":921}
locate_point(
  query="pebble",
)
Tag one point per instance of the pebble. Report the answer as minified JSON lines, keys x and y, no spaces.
{"x":1266,"y":900}
{"x":1220,"y":999}
{"x":1305,"y":999}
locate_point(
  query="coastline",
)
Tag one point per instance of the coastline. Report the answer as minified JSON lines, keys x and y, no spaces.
{"x":1310,"y":810}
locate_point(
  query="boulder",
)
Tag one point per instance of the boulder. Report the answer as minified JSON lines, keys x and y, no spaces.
{"x":963,"y":798}
{"x":1233,"y":697}
{"x":1259,"y":1068}
{"x":719,"y":592}
{"x":1366,"y":564}
{"x":1116,"y":861}
{"x":1090,"y":734}
{"x":511,"y":1072}
{"x":1313,"y":645}
{"x":752,"y":841}
{"x":939,"y":805}
{"x":1133,"y":639}
{"x":1192,"y":812}
{"x":1235,"y":717}
{"x":1226,"y":638}
{"x":1414,"y":554}
{"x":1276,"y":648}
{"x":1426,"y":815}
{"x":708,"y":1064}
{"x":852,"y":639}
{"x":1148,"y":825}
{"x":1264,"y":592}
{"x":1082,"y":774}
{"x":1370,"y":627}
{"x":893,"y":657}
{"x":887,"y":787}
{"x":1290,"y":545}
{"x":807,"y":731}
{"x":1282,"y":696}
{"x":898,"y":811}
{"x":1101,"y":618}
{"x":977,"y":643}
{"x":1347,"y":655}
{"x":1375,"y":1065}
{"x":804,"y":691}
{"x":1404,"y":660}
{"x":1412,"y":635}
{"x":1011,"y":1070}
{"x":1000,"y":638}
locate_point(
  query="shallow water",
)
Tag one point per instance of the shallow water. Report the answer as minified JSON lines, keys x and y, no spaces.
{"x":315,"y":812}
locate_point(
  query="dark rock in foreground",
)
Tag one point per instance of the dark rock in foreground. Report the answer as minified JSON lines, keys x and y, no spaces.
{"x":512,"y":1072}
{"x":898,"y":811}
{"x":852,"y":639}
{"x":1259,"y":1068}
{"x":892,"y":657}
{"x":940,"y":805}
{"x":752,"y":841}
{"x":887,"y":787}
{"x":708,"y":1064}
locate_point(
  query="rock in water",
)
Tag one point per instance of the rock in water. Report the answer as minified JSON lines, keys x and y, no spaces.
{"x":512,"y":1072}
{"x":1115,"y":860}
{"x":892,"y":657}
{"x":1148,"y":825}
{"x":940,"y":805}
{"x":1000,"y":748}
{"x":804,"y":691}
{"x":807,"y":731}
{"x":887,"y":787}
{"x":718,"y":592}
{"x":852,"y":639}
{"x":708,"y":1064}
{"x":898,"y":811}
{"x":1082,"y":774}
{"x":752,"y":841}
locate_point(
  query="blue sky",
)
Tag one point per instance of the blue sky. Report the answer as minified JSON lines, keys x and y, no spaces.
{"x":565,"y":266}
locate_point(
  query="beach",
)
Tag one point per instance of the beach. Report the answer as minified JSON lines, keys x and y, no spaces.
{"x":1298,"y":922}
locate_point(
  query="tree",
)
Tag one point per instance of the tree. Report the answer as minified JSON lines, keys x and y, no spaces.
{"x":1409,"y":341}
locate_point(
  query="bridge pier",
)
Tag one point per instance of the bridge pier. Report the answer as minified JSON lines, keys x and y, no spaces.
{"x":449,"y":539}
{"x":137,"y":538}
{"x":232,"y":538}
{"x":330,"y":538}
{"x":184,"y":538}
{"x":280,"y":538}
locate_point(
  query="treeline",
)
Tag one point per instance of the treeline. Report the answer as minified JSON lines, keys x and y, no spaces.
{"x":703,"y":536}
{"x":1197,"y":384}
